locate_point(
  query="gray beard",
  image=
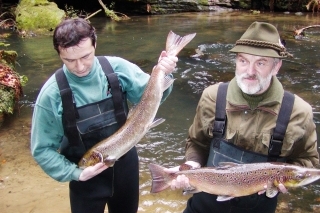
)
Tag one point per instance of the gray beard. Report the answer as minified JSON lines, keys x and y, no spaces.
{"x":262,"y":85}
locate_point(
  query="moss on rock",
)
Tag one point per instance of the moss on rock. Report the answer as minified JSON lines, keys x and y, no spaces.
{"x":38,"y":16}
{"x":10,"y":82}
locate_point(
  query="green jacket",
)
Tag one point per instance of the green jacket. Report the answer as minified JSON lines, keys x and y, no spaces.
{"x":252,"y":129}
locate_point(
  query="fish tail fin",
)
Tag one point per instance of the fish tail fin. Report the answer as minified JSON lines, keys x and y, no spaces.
{"x":176,"y":43}
{"x":160,"y":179}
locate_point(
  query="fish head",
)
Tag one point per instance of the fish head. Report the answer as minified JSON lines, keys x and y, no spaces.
{"x":90,"y":159}
{"x":300,"y":176}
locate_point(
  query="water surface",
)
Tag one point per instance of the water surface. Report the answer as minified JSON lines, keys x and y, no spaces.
{"x":140,"y":40}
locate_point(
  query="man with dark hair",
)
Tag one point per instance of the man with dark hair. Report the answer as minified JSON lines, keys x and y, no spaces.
{"x":248,"y":120}
{"x":71,"y":32}
{"x":82,"y":103}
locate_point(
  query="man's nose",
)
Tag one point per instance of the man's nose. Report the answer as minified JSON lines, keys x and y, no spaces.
{"x":251,"y":69}
{"x":79,"y":65}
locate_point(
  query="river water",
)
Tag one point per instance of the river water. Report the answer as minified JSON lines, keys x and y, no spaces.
{"x":140,"y":40}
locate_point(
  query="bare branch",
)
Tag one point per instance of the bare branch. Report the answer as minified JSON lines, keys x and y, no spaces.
{"x":301,"y":31}
{"x":93,"y":14}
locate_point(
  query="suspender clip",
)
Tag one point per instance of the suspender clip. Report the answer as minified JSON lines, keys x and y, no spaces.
{"x":275,"y":147}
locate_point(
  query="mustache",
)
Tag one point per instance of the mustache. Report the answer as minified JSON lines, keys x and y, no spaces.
{"x":248,"y":76}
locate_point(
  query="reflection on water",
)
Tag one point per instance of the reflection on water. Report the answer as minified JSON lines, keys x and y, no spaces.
{"x":141,"y":39}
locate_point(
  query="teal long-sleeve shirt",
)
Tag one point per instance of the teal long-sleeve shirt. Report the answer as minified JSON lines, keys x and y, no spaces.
{"x":47,"y":129}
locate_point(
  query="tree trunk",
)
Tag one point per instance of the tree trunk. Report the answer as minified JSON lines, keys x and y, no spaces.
{"x":271,"y":5}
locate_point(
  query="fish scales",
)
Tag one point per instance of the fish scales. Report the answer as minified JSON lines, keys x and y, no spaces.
{"x":141,"y":117}
{"x":236,"y":180}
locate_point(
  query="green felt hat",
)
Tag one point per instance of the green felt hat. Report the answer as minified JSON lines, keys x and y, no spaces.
{"x":261,"y":39}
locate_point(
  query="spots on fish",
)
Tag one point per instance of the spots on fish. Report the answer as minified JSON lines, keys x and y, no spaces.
{"x":243,"y":176}
{"x":246,"y":178}
{"x":241,"y":180}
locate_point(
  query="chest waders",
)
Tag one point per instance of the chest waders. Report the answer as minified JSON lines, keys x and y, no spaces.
{"x":84,"y":127}
{"x":223,"y":151}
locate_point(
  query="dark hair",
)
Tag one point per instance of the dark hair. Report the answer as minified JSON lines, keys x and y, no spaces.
{"x":71,"y":32}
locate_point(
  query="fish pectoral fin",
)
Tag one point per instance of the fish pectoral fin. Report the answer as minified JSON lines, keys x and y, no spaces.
{"x":221,"y":198}
{"x":156,"y":122}
{"x":168,"y":81}
{"x":227,"y":165}
{"x":271,"y":190}
{"x":190,"y":190}
{"x":109,"y":161}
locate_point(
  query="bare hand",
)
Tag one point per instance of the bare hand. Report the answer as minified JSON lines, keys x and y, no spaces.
{"x":192,"y":164}
{"x":166,"y":63}
{"x":164,"y":54}
{"x":92,"y":171}
{"x":282,"y":188}
{"x":181,"y":182}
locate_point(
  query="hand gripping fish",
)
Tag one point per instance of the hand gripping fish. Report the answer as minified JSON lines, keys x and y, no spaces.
{"x":141,"y":118}
{"x":231,"y":180}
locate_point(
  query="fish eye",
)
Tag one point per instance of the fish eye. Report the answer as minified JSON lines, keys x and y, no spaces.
{"x":300,"y":176}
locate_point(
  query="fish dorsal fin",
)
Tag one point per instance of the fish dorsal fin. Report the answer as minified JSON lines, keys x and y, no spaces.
{"x":224,"y":198}
{"x":156,"y":122}
{"x":227,"y":165}
{"x":272,"y":190}
{"x":168,"y":81}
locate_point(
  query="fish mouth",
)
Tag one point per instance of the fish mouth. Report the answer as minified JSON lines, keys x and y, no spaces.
{"x":308,"y":180}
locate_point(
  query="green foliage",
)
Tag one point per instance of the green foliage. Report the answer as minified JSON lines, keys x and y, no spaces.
{"x":203,"y":2}
{"x":9,"y":94}
{"x":33,"y":2}
{"x":7,"y":99}
{"x":245,"y":4}
{"x":8,"y":57}
{"x":23,"y":80}
{"x":112,"y":15}
{"x":112,"y":5}
{"x":71,"y":12}
{"x":4,"y":44}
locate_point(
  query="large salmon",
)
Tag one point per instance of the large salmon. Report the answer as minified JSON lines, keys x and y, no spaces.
{"x":141,"y":118}
{"x":235,"y":180}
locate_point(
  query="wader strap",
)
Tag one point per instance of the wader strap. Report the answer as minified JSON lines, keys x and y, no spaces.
{"x":116,"y":90}
{"x":220,"y":116}
{"x":279,"y":132}
{"x":70,"y":113}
